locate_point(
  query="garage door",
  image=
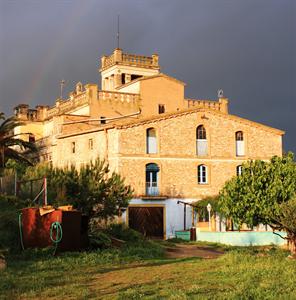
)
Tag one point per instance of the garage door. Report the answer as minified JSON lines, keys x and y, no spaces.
{"x":147,"y":220}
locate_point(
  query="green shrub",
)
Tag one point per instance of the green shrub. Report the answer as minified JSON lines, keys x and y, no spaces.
{"x":137,"y":246}
{"x":122,"y":232}
{"x":99,"y":240}
{"x":9,"y":230}
{"x":94,"y":189}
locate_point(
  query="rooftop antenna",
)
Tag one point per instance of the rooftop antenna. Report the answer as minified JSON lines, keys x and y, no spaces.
{"x":62,"y":83}
{"x":118,"y":32}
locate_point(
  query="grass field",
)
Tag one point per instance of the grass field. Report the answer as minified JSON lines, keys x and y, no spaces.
{"x":141,"y":272}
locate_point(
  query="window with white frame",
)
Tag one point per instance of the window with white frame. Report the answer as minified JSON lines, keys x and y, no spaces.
{"x":202,"y":174}
{"x":151,"y":141}
{"x":152,"y":188}
{"x":239,"y":170}
{"x":201,"y":141}
{"x":239,"y":143}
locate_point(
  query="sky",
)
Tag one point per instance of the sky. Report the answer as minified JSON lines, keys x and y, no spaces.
{"x":246,"y":48}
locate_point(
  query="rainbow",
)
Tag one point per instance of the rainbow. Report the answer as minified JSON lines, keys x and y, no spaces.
{"x":75,"y":16}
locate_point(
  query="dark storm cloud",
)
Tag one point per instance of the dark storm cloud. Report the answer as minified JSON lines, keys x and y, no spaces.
{"x":245,"y":47}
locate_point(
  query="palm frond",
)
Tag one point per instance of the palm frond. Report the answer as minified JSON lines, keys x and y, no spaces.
{"x":13,"y":154}
{"x":9,"y":124}
{"x":9,"y":142}
{"x":8,"y":139}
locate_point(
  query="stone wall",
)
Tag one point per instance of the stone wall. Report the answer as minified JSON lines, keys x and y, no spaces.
{"x":83,"y":152}
{"x":177,"y":158}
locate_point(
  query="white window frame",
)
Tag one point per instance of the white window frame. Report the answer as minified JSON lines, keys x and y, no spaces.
{"x":239,"y":170}
{"x":151,"y":141}
{"x":239,"y":144}
{"x":152,"y":187}
{"x":202,"y":174}
{"x":201,"y":144}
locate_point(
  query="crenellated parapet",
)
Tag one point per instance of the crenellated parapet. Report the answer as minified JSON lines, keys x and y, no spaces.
{"x":118,"y":57}
{"x":121,"y":68}
{"x":65,"y":106}
{"x":24,"y":113}
{"x":116,"y":97}
{"x":220,"y":105}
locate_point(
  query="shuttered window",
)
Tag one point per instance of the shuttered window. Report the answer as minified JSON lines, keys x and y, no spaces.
{"x":201,"y":141}
{"x":239,"y":143}
{"x":151,"y":141}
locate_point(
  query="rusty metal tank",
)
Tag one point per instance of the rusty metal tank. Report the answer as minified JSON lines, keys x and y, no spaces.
{"x":36,"y":224}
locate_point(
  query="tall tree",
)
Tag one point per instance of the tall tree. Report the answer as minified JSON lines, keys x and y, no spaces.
{"x":11,"y":145}
{"x":263,"y":194}
{"x":94,"y":189}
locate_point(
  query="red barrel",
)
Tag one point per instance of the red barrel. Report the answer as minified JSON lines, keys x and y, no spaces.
{"x":36,"y":229}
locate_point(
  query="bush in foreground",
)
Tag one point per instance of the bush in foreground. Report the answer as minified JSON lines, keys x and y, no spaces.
{"x":9,"y":230}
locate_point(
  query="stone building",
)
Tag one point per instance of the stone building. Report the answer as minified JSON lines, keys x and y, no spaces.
{"x":169,"y":149}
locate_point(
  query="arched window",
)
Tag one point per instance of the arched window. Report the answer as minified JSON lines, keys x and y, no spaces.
{"x":239,"y":143}
{"x":239,"y":136}
{"x":201,"y":141}
{"x":152,"y":188}
{"x":151,"y":142}
{"x":202,"y":174}
{"x":239,"y":170}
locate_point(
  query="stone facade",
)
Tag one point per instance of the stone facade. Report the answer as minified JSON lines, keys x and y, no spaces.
{"x":177,"y":156}
{"x":113,"y":124}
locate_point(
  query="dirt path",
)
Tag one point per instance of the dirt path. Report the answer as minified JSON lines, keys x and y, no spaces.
{"x":184,"y":251}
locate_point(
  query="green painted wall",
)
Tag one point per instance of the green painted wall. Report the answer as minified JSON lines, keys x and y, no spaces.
{"x":184,"y":235}
{"x":243,"y":238}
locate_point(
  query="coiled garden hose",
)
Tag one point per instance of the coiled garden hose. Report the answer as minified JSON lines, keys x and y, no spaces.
{"x":21,"y":231}
{"x":57,"y":227}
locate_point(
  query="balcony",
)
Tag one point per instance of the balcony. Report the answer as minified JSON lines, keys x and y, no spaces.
{"x":152,"y":189}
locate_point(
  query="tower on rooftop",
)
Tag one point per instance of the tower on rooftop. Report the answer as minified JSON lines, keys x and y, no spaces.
{"x":120,"y":68}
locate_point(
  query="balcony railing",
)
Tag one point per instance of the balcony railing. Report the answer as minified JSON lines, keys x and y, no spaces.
{"x":118,"y":57}
{"x":137,"y":59}
{"x":152,"y":189}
